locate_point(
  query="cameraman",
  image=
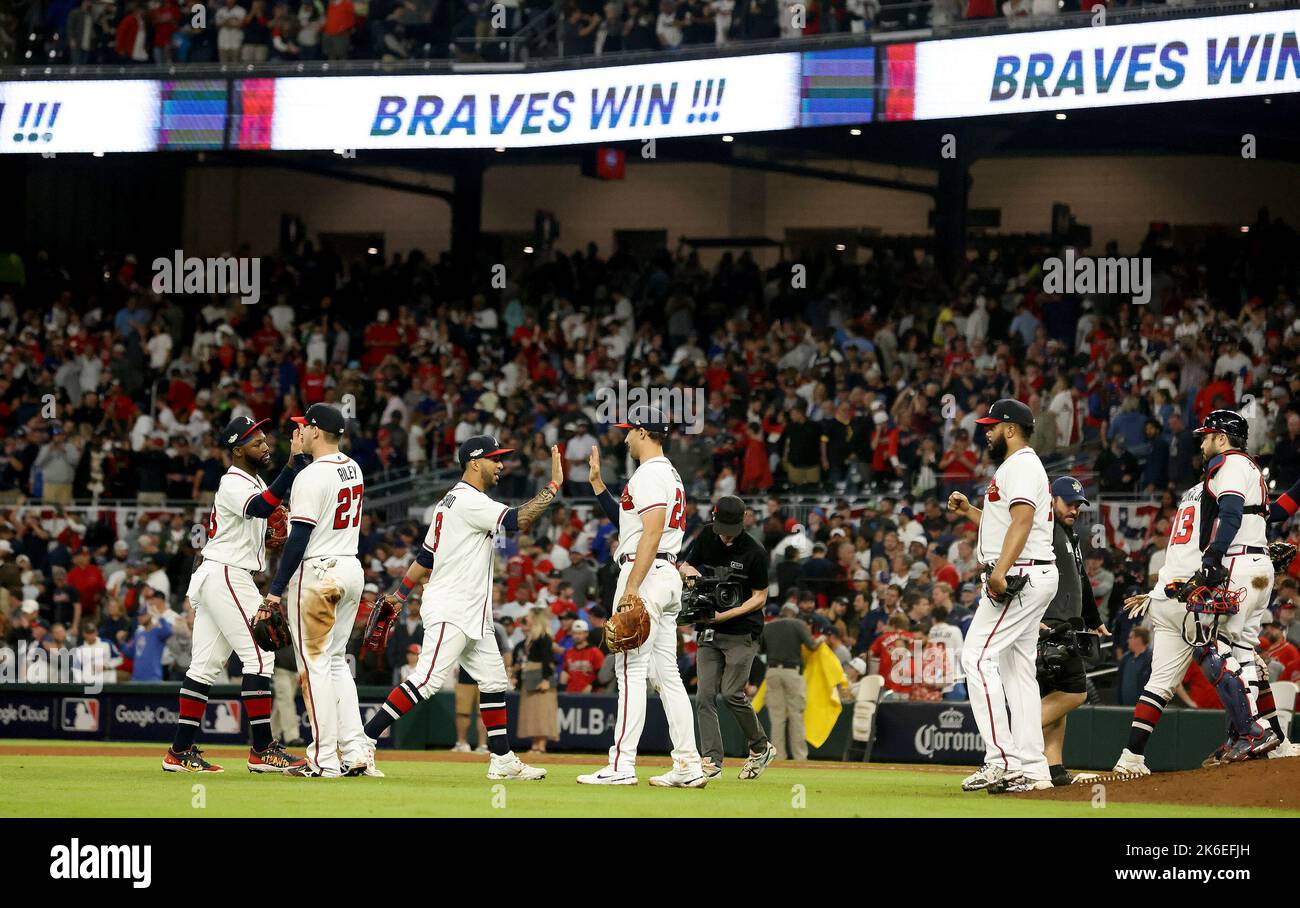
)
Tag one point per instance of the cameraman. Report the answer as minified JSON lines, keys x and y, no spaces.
{"x":728,"y":642}
{"x":1064,"y":686}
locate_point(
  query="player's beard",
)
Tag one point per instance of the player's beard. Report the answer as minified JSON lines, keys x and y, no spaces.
{"x":998,"y":449}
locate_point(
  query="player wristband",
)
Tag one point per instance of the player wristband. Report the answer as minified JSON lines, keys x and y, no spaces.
{"x":554,"y":487}
{"x":404,"y":589}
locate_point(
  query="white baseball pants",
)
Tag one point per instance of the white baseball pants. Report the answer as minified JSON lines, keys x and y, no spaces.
{"x":1000,"y":657}
{"x":322,"y":600}
{"x":653,"y":661}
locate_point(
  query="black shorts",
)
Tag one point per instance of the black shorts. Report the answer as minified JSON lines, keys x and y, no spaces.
{"x":1068,"y":678}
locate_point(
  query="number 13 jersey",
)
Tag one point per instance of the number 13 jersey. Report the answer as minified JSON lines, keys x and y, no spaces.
{"x":655,"y":484}
{"x":1183,"y":554}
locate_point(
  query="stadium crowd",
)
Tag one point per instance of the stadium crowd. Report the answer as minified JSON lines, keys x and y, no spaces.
{"x":255,"y":31}
{"x":844,"y":411}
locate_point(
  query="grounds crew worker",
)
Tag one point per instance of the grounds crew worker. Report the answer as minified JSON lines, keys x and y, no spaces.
{"x":728,"y":643}
{"x":782,"y":640}
{"x":1065,"y":689}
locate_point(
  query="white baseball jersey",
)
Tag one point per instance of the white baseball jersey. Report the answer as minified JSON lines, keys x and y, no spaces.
{"x":234,"y":539}
{"x":655,"y":484}
{"x":1236,"y":473}
{"x":326,"y":496}
{"x":1183,"y":554}
{"x":461,"y":539}
{"x":1020,"y":479}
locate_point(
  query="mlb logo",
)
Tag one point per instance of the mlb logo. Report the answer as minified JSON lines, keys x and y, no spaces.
{"x":222,"y":717}
{"x":993,"y":494}
{"x":79,"y":714}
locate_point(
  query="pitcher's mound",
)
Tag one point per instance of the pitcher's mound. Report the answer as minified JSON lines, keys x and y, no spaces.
{"x":1256,"y":783}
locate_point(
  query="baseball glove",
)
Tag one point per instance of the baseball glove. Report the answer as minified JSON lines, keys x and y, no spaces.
{"x":380,"y":623}
{"x":1015,"y":583}
{"x":629,"y":626}
{"x":1281,"y":554}
{"x":277,"y":528}
{"x":270,"y":629}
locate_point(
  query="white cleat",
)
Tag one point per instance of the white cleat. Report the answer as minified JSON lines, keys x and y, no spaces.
{"x":710,"y":769}
{"x":366,"y":766}
{"x":758,"y":762}
{"x":511,"y":767}
{"x":608,"y":776}
{"x":1131,"y":764}
{"x":1021,"y":784}
{"x":682,"y":775}
{"x":461,"y":747}
{"x":983,"y":777}
{"x":1283,"y":750}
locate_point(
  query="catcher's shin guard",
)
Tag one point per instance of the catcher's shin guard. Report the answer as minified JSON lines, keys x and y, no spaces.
{"x":1218,"y":665}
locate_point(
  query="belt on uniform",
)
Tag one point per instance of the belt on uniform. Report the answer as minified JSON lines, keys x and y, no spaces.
{"x":1024,"y":562}
{"x":1245,"y":550}
{"x":786,"y":665}
{"x":662,"y":556}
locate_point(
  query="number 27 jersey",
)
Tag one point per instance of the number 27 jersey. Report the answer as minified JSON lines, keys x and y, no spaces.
{"x":655,"y":484}
{"x":326,"y":496}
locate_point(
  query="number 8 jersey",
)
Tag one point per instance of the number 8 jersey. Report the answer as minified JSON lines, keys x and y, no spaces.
{"x":326,"y":496}
{"x":655,"y":484}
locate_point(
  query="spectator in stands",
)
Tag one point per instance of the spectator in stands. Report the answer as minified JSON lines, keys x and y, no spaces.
{"x":164,"y":21}
{"x":1135,"y":667}
{"x":669,"y":25}
{"x":256,"y":47}
{"x":148,"y":642}
{"x":538,"y":705}
{"x":83,"y":31}
{"x":131,"y":42}
{"x":230,"y":30}
{"x":337,"y":33}
{"x":311,"y":19}
{"x":582,"y":661}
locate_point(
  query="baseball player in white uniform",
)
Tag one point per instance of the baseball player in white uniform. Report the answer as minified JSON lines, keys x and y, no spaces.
{"x":1218,"y":539}
{"x":320,"y":580}
{"x":1000,"y":654}
{"x":457,"y":561}
{"x":651,"y":525}
{"x":225,"y":599}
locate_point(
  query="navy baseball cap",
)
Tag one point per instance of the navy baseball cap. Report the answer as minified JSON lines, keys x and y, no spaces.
{"x":480,"y":446}
{"x":324,"y":417}
{"x":239,"y":430}
{"x":647,"y":418}
{"x":1008,"y":409}
{"x":1069,"y":490}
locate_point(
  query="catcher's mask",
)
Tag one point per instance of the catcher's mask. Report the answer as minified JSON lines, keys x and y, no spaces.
{"x":1207,"y":600}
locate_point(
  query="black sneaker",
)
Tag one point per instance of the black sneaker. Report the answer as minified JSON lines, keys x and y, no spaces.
{"x":1062,"y":779}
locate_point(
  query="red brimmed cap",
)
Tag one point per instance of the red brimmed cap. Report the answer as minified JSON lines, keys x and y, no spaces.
{"x":480,"y":446}
{"x":238,"y":430}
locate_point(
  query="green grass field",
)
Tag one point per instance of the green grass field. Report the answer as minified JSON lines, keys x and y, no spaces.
{"x":441,"y":785}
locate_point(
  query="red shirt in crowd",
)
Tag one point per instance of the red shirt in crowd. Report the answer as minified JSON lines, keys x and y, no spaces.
{"x":89,"y":583}
{"x":1289,"y":656}
{"x":894,"y":650}
{"x":582,"y":665}
{"x":1200,"y":689}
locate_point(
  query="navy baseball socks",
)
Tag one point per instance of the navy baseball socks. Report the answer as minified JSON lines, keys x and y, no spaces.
{"x":256,"y":696}
{"x":193,"y":703}
{"x":402,"y":699}
{"x":492,"y":708}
